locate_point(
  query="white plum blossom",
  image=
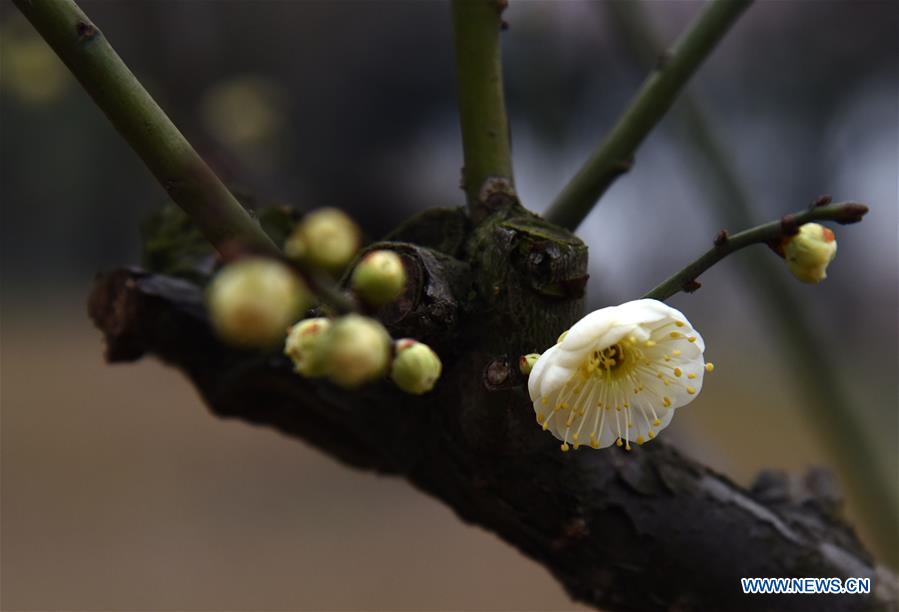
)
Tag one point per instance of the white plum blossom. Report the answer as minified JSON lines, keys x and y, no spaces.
{"x":618,"y":375}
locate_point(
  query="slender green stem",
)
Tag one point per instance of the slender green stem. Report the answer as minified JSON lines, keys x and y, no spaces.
{"x":614,"y":156}
{"x":769,"y":233}
{"x":143,"y":124}
{"x":482,"y":107}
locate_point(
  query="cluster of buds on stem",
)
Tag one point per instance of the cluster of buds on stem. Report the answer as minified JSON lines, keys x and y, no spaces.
{"x":354,"y":350}
{"x":255,"y":302}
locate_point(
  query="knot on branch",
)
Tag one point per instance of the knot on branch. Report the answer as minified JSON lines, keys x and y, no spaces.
{"x":496,"y":193}
{"x":432,"y":304}
{"x":86,"y":31}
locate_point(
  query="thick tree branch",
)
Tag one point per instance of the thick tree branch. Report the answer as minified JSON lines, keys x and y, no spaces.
{"x":647,"y":530}
{"x":487,"y":175}
{"x":614,"y":156}
{"x":769,"y":233}
{"x":143,"y":124}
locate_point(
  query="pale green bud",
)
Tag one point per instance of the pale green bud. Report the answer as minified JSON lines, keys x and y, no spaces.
{"x":809,"y":252}
{"x":356,"y":350}
{"x":326,"y":238}
{"x":253,"y":301}
{"x":526,"y":362}
{"x":416,"y":367}
{"x":379,"y":278}
{"x":304,"y":346}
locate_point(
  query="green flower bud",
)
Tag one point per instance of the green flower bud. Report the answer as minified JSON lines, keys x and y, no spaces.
{"x":809,"y":252}
{"x":379,"y":278}
{"x":526,"y":362}
{"x":326,"y":238}
{"x":252,"y":301}
{"x":356,"y":350}
{"x":304,"y":346}
{"x":416,"y":367}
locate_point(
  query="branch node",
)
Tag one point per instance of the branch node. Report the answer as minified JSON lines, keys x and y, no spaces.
{"x":497,"y":373}
{"x":623,"y":166}
{"x":86,"y":31}
{"x":691,"y":285}
{"x":721,"y":238}
{"x":496,"y":192}
{"x":789,"y":226}
{"x":822,"y":200}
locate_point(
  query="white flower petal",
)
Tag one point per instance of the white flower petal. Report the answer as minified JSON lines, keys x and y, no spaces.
{"x":618,"y":375}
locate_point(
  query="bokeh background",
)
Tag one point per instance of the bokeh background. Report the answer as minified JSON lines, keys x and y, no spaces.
{"x":119,"y":491}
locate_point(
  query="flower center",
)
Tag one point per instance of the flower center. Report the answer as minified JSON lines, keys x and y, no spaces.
{"x":607,"y":363}
{"x":610,"y":358}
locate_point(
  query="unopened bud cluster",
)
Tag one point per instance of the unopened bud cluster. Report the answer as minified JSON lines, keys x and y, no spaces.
{"x":256,"y":301}
{"x":353,"y":350}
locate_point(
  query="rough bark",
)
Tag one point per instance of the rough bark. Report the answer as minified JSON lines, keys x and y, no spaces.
{"x":645,"y":530}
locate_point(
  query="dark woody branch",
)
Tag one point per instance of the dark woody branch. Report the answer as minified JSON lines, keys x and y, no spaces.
{"x":647,"y":530}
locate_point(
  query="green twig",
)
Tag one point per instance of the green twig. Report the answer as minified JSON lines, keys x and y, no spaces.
{"x":615,"y":154}
{"x":482,"y":108}
{"x":143,"y":124}
{"x":769,"y":233}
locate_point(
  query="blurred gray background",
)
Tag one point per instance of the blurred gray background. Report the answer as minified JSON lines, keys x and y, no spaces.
{"x":120,"y":492}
